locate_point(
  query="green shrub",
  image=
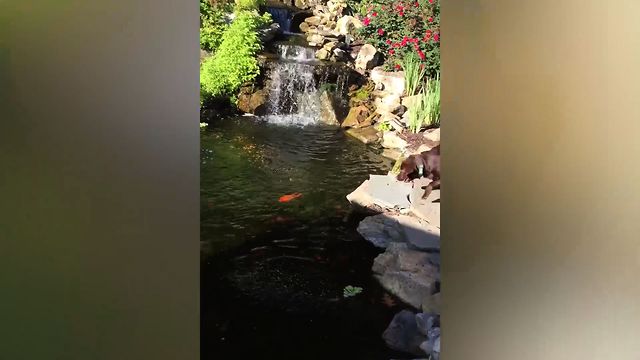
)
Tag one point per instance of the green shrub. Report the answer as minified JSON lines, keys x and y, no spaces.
{"x":399,"y":28}
{"x":426,"y":110}
{"x":234,"y":63}
{"x":212,"y":24}
{"x":242,"y":5}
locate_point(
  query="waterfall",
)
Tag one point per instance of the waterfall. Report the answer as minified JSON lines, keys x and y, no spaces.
{"x":293,"y":94}
{"x":282,"y":17}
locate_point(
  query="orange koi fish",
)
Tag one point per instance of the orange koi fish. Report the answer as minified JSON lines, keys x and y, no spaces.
{"x":289,"y":197}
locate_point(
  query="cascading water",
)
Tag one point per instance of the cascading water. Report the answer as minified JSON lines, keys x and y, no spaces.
{"x":294,"y":98}
{"x":282,"y":17}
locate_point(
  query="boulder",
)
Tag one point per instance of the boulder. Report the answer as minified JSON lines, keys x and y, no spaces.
{"x":347,"y":24}
{"x":368,"y":58}
{"x":432,"y":303}
{"x":366,"y":134}
{"x":340,"y":55}
{"x":391,"y":140}
{"x":356,"y":117}
{"x":402,"y":334}
{"x":253,"y":102}
{"x":433,"y":135}
{"x":313,"y":20}
{"x":391,"y":82}
{"x":301,"y":4}
{"x":304,"y":27}
{"x":269,"y":33}
{"x":407,"y":273}
{"x":322,"y":54}
{"x":327,"y":110}
{"x":315,"y":39}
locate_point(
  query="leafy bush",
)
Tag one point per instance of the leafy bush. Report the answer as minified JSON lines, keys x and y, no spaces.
{"x":235,"y":61}
{"x":426,"y":110}
{"x":400,"y":28}
{"x":248,"y":4}
{"x":212,"y":24}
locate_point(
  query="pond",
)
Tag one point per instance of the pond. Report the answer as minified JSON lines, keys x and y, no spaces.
{"x":273,"y":272}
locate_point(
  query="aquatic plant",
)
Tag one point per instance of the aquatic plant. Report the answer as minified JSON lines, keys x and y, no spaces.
{"x":350,"y":291}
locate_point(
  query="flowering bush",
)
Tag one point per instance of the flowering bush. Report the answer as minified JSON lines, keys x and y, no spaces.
{"x":400,"y":27}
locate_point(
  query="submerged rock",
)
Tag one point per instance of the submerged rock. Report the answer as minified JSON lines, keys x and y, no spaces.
{"x":366,"y":134}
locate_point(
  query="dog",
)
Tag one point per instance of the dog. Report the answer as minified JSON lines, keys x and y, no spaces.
{"x":425,"y":164}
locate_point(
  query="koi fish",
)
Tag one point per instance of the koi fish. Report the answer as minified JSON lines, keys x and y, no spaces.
{"x":289,"y":197}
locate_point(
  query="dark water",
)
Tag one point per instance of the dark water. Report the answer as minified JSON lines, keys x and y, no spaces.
{"x":273,"y":273}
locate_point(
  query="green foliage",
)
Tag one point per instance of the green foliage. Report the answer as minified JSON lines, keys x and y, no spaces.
{"x":212,"y":24}
{"x":413,"y":73}
{"x":361,"y":94}
{"x":235,"y":61}
{"x":427,"y":109}
{"x":384,"y":126}
{"x":242,"y":5}
{"x":400,"y":28}
{"x":350,"y":291}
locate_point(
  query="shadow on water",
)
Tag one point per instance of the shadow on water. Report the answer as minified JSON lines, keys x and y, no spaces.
{"x":273,"y":273}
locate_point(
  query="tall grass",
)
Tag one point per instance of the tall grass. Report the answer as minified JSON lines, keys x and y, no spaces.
{"x":426,"y":110}
{"x":414,"y":72}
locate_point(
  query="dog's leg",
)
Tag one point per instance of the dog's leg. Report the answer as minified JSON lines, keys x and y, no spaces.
{"x":434,"y":185}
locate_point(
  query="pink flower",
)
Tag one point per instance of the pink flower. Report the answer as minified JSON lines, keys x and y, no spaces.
{"x":430,"y":19}
{"x":421,"y":54}
{"x":391,"y":52}
{"x":398,"y":67}
{"x":380,"y":32}
{"x":388,"y":42}
{"x":436,"y":37}
{"x":430,"y":1}
{"x":366,"y":21}
{"x":374,"y":14}
{"x":416,"y":4}
{"x":401,"y":13}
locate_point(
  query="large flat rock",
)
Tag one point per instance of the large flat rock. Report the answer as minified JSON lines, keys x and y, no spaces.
{"x":367,"y":134}
{"x":425,"y":209}
{"x":388,"y":192}
{"x":384,"y":229}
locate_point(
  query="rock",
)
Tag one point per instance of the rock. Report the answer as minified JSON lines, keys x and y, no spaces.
{"x":432,"y":345}
{"x":327,"y":110}
{"x":406,"y":273}
{"x":431,"y":304}
{"x":389,"y":193}
{"x":347,"y":24}
{"x":304,"y":27}
{"x":316,"y":39}
{"x":301,"y":4}
{"x":356,"y":117}
{"x":366,"y":134}
{"x":252,"y":103}
{"x":380,"y":230}
{"x":360,"y":197}
{"x":433,"y":135}
{"x":402,"y":334}
{"x":410,"y":101}
{"x":425,"y":209}
{"x":387,"y":103}
{"x":368,"y":58}
{"x":426,"y":321}
{"x":391,"y":140}
{"x":392,"y":82}
{"x":330,"y":45}
{"x":269,"y":33}
{"x":340,"y":55}
{"x":322,"y":54}
{"x":313,"y":20}
{"x":392,"y":154}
